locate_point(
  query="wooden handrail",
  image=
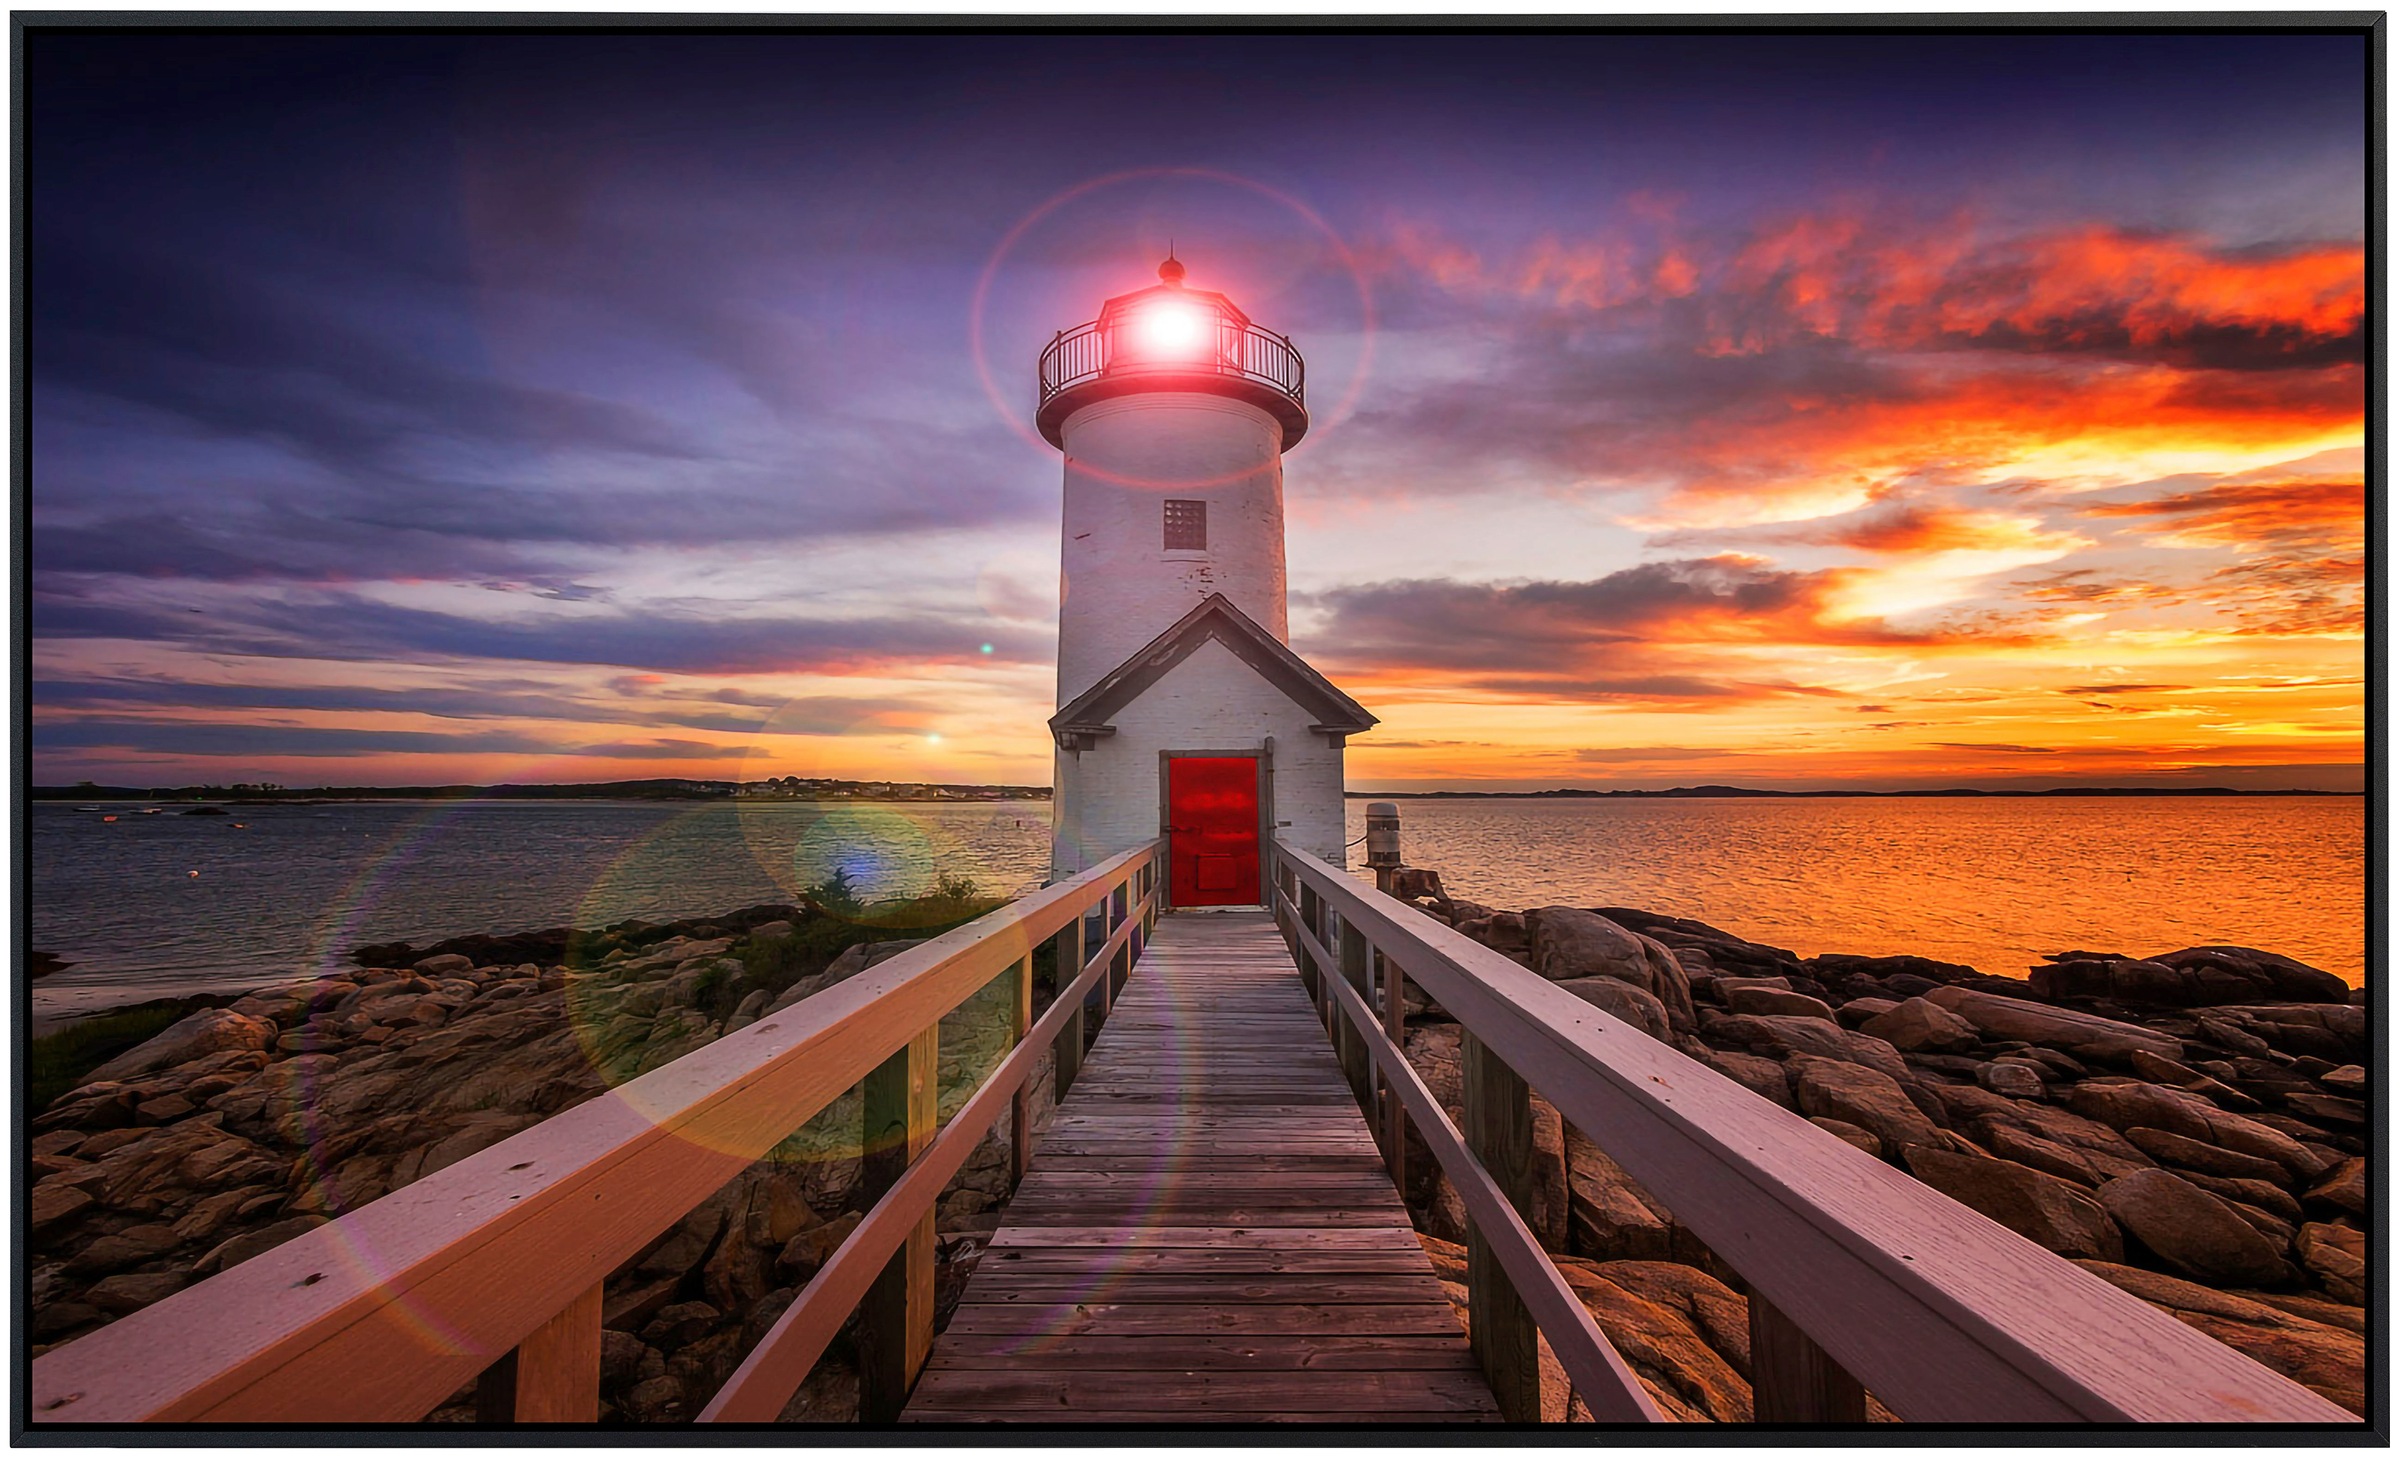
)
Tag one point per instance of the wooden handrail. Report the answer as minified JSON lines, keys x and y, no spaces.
{"x":382,"y":1314}
{"x":1607,"y":1385}
{"x":782,"y":1359}
{"x":1944,"y":1315}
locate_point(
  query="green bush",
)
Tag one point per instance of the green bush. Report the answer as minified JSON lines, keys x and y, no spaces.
{"x":773,"y":964}
{"x":63,"y":1061}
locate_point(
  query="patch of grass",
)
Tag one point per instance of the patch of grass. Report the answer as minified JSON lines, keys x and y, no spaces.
{"x":63,"y":1061}
{"x":839,"y":922}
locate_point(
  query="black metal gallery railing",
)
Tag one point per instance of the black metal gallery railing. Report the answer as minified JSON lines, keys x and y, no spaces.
{"x":1089,"y":352}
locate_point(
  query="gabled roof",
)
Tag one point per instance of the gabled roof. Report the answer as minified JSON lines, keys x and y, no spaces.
{"x":1216,"y":617}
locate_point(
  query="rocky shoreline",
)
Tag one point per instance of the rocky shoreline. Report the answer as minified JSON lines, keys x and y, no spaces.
{"x":2190,"y":1126}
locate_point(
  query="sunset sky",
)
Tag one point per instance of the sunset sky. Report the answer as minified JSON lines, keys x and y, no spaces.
{"x":1792,"y":411}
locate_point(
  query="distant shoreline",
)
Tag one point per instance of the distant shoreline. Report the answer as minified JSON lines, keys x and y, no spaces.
{"x":893,"y":793}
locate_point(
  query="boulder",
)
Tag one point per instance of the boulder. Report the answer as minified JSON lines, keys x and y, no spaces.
{"x":211,"y":1030}
{"x":2280,"y":978}
{"x":2318,"y":1355}
{"x":2127,"y":1104}
{"x":1610,"y":1216}
{"x":2050,"y":1212}
{"x":1921,"y":1026}
{"x":1698,"y":942}
{"x":122,"y":1295}
{"x":2192,"y":1230}
{"x":1624,"y":1002}
{"x":1784,"y":1037}
{"x":1856,"y":1095}
{"x":1833,"y":966}
{"x":2081,"y":1034}
{"x":2345,"y":1189}
{"x":1762,"y":1076}
{"x":1860,"y":1010}
{"x":2009,"y":1079}
{"x":2335,"y":1032}
{"x":1682,"y":1331}
{"x":2192,"y":1154}
{"x":1777,"y":1002}
{"x":2337,"y":1256}
{"x":1565,"y":943}
{"x":2349,"y":1080}
{"x":1862,"y":1140}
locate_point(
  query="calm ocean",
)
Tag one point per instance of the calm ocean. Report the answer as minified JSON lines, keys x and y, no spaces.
{"x":158,"y":905}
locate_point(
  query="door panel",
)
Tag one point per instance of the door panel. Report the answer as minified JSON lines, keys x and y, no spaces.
{"x":1212,"y":832}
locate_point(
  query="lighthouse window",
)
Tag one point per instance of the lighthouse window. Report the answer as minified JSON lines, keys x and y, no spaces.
{"x":1187,"y":526}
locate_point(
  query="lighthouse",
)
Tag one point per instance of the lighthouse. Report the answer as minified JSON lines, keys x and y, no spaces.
{"x":1182,"y":710}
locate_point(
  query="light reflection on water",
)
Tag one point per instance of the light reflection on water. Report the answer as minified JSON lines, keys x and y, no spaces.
{"x":1988,"y":882}
{"x":1991,"y":883}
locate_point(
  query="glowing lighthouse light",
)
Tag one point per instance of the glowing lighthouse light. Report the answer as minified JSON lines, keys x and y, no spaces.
{"x":1176,"y":330}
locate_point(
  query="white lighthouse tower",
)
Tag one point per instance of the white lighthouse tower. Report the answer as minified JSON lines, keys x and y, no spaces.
{"x":1181,"y":710}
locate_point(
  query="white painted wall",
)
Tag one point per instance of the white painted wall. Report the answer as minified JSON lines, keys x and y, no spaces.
{"x":1108,"y":796}
{"x":1119,"y":587}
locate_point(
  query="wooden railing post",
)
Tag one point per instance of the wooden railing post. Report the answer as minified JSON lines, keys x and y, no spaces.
{"x":1308,"y":963}
{"x":553,"y":1376}
{"x":1499,"y":1133}
{"x":1791,"y":1378}
{"x":1395,"y":1116}
{"x":895,"y":1321}
{"x":1020,"y":1103}
{"x":1067,"y":1053}
{"x":1355,"y":1062}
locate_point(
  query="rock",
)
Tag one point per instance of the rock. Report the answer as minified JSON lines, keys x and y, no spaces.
{"x":2125,"y":1104}
{"x":1920,"y":1026}
{"x":2320,"y":1356}
{"x":129,"y":1247}
{"x":211,"y":1030}
{"x":2009,"y":1080}
{"x":1834,"y":965}
{"x":120,"y":1295}
{"x":1725,"y":987}
{"x":1773,"y":1002}
{"x":2282,"y":979}
{"x":1861,"y":1096}
{"x":1684,"y":1333}
{"x":1863,"y":1140}
{"x":2325,"y":1109}
{"x":1610,"y":1216}
{"x":1762,"y":1076}
{"x":2050,"y":1212}
{"x":750,"y":1010}
{"x":1624,"y":1002}
{"x":2335,"y":1032}
{"x":1502,"y":931}
{"x":1860,"y":1010}
{"x":1783,"y":1037}
{"x":2262,"y":1198}
{"x":622,"y":1357}
{"x":1565,"y":943}
{"x":54,"y":1207}
{"x":2148,"y":1065}
{"x":447,"y":964}
{"x":809,"y":1249}
{"x":2337,"y":1256}
{"x":658,"y":1400}
{"x":685,"y":1321}
{"x":2081,"y":1034}
{"x":2192,"y":1230}
{"x":2349,"y":1080}
{"x":2345,"y":1189}
{"x":2191,"y":1154}
{"x":770,"y":930}
{"x":258,"y":1242}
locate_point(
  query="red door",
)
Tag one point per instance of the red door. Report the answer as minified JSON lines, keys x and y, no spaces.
{"x":1212,"y":832}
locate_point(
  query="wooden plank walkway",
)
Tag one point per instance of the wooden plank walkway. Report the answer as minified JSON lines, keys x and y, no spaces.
{"x":1207,"y":1233}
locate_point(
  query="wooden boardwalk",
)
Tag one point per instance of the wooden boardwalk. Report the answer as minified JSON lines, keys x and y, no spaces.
{"x":1207,"y":1233}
